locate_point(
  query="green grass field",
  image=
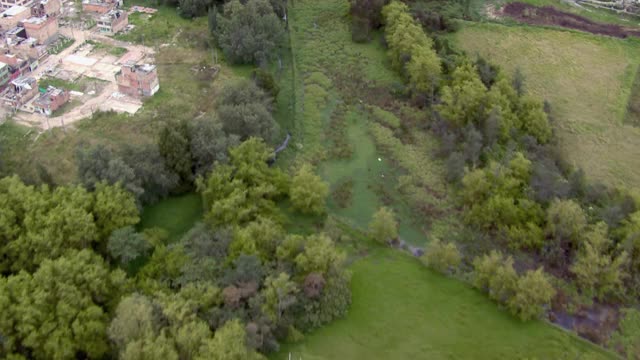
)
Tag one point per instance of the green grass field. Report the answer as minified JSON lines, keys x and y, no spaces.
{"x":587,"y":80}
{"x":402,"y":310}
{"x":176,"y":215}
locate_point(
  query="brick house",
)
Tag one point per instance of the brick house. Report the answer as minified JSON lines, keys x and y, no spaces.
{"x":51,"y":100}
{"x":43,"y":29}
{"x":100,"y":6}
{"x":113,"y":22}
{"x":42,"y":8}
{"x":138,"y":80}
{"x":20,"y":91}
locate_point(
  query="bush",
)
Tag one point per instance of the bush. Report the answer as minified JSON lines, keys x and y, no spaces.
{"x":442,"y":257}
{"x":533,"y":292}
{"x":383,"y":226}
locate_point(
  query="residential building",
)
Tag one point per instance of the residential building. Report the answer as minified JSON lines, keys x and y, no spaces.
{"x":4,"y":74}
{"x":27,"y":48}
{"x":138,"y":80}
{"x":113,"y":22}
{"x":43,"y":29}
{"x":16,"y":63}
{"x":6,"y":4}
{"x":51,"y":100}
{"x":42,"y":8}
{"x":20,"y":91}
{"x":11,"y":17}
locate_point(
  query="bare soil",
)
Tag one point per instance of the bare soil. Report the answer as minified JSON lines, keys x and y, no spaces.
{"x":549,"y":15}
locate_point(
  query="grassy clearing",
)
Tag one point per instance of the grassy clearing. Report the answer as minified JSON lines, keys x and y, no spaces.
{"x":106,"y":48}
{"x":163,"y":27}
{"x":587,"y":80}
{"x":402,"y":310}
{"x":175,"y":214}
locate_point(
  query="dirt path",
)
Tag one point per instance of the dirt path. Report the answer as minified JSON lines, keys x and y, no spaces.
{"x":549,"y":15}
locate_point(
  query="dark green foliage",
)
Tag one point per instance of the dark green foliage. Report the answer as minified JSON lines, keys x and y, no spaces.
{"x":193,"y":8}
{"x":60,"y":311}
{"x":175,"y":147}
{"x":366,"y":16}
{"x":125,"y":245}
{"x":245,"y":111}
{"x":209,"y":144}
{"x":38,"y":224}
{"x":139,"y":169}
{"x":265,"y":80}
{"x":249,"y":32}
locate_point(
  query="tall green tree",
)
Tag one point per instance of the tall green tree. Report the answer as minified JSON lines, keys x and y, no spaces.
{"x":126,"y":245}
{"x":60,"y":311}
{"x":598,"y":271}
{"x":308,"y":192}
{"x":383,"y":226}
{"x":175,"y":147}
{"x":249,"y":32}
{"x":245,"y":111}
{"x":229,"y":343}
{"x":533,"y":292}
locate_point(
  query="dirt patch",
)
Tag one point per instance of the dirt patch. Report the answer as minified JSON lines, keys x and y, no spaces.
{"x":549,"y":15}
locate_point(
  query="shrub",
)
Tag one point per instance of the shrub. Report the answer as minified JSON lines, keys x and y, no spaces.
{"x":442,"y":257}
{"x":383,"y":226}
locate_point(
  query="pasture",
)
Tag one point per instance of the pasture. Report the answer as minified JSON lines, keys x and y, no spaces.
{"x":587,"y":79}
{"x":401,"y":310}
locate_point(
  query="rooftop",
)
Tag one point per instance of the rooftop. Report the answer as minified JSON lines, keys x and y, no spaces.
{"x":13,"y":11}
{"x":51,"y":92}
{"x":112,"y":14}
{"x":140,"y":68}
{"x":36,"y":20}
{"x":24,"y":82}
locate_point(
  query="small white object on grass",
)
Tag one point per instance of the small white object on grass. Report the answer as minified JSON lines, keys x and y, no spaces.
{"x":379,"y":159}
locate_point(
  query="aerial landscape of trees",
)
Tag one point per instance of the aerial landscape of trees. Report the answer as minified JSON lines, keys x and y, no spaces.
{"x":269,"y":258}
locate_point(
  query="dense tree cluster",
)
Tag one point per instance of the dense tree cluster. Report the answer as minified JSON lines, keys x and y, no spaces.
{"x":366,"y":16}
{"x":411,"y":50}
{"x":140,"y":170}
{"x":514,"y":186}
{"x":248,"y":31}
{"x":39,"y":223}
{"x":525,"y":296}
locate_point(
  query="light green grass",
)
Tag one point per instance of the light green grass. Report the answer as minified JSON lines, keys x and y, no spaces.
{"x":161,"y":27}
{"x":587,"y":80}
{"x":401,"y":310}
{"x":175,"y":214}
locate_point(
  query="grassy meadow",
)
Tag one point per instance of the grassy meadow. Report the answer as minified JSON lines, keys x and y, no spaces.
{"x":401,"y":310}
{"x":587,"y":79}
{"x":175,"y":214}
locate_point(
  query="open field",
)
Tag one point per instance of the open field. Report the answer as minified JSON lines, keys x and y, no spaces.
{"x":587,"y":79}
{"x":402,"y":310}
{"x":175,"y":214}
